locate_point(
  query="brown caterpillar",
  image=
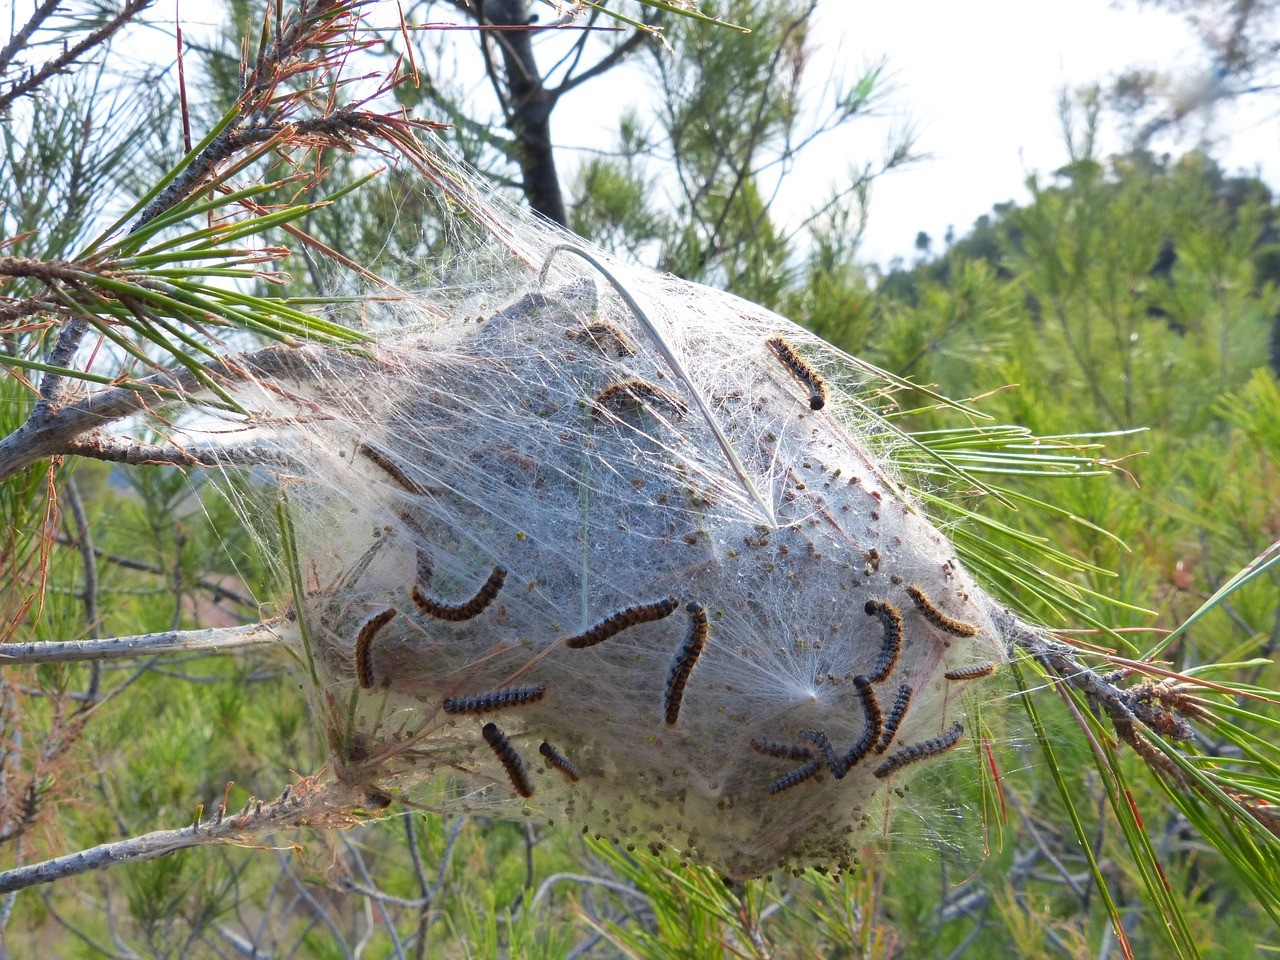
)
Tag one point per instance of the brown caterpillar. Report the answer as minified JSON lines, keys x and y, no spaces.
{"x":495,"y":700}
{"x":788,"y":357}
{"x":607,"y":338}
{"x":875,"y":723}
{"x":799,"y":775}
{"x":828,"y":751}
{"x":390,"y":468}
{"x":559,"y":761}
{"x":685,"y":661}
{"x":782,"y":751}
{"x":920,"y":751}
{"x":895,"y":718}
{"x":364,"y":643}
{"x":891,"y":649}
{"x":463,"y":611}
{"x":957,"y":628}
{"x":636,"y":392}
{"x":971,"y":673}
{"x":613,"y":625}
{"x":510,"y":760}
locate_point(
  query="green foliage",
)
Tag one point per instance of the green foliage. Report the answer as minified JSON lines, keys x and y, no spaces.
{"x":1135,"y":294}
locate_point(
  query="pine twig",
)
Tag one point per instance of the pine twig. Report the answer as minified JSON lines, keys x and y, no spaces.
{"x":36,"y":78}
{"x":52,"y":432}
{"x":309,"y":803}
{"x":18,"y":42}
{"x":141,"y":645}
{"x":126,"y":450}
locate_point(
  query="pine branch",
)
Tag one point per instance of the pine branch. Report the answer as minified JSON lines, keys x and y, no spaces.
{"x":134,"y":453}
{"x":142,"y":645}
{"x":53,"y":432}
{"x":59,"y":64}
{"x":18,"y":42}
{"x":309,"y":803}
{"x":603,"y":65}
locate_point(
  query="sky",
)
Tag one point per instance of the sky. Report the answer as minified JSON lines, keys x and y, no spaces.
{"x":980,"y":84}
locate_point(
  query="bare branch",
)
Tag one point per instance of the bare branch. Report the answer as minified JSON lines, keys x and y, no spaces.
{"x":50,"y":432}
{"x":130,"y":451}
{"x":604,"y":64}
{"x":308,"y":803}
{"x":20,"y":37}
{"x":530,"y":105}
{"x":84,"y":541}
{"x":58,"y":64}
{"x":141,"y":645}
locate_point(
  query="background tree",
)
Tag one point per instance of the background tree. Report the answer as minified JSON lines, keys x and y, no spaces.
{"x":1239,"y":41}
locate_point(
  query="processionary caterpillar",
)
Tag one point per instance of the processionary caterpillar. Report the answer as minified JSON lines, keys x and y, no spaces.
{"x":509,"y":759}
{"x":463,"y":611}
{"x":891,"y":620}
{"x":685,"y":661}
{"x":364,"y":642}
{"x":496,"y":699}
{"x":391,"y":468}
{"x":559,"y":761}
{"x":636,"y":392}
{"x":826,"y":748}
{"x":782,"y":751}
{"x":609,"y":339}
{"x":920,"y":751}
{"x":971,"y":673}
{"x":896,"y":716}
{"x":613,"y":625}
{"x":957,"y":628}
{"x":875,"y":723}
{"x":799,"y":775}
{"x":788,"y":357}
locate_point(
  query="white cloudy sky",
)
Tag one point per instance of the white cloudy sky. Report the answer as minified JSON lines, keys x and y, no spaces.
{"x":979,"y":81}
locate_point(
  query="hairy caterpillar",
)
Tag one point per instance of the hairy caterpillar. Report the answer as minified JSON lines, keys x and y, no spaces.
{"x":957,"y":628}
{"x":496,"y":699}
{"x":799,"y":775}
{"x":826,"y":748}
{"x":971,"y":673}
{"x":607,"y":338}
{"x":896,"y":716}
{"x":920,"y":751}
{"x":683,"y":664}
{"x":891,"y":620}
{"x":613,"y":625}
{"x":364,"y":643}
{"x":509,"y":759}
{"x":782,"y":751}
{"x":788,"y":357}
{"x":390,"y":467}
{"x":636,"y":392}
{"x":875,"y":723}
{"x":463,"y":611}
{"x":559,"y":761}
